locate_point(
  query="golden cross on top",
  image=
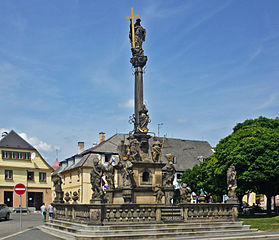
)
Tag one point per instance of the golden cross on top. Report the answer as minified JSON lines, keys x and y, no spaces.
{"x":132,"y":17}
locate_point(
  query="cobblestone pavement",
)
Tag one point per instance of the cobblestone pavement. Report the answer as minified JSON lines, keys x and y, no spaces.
{"x":29,"y":221}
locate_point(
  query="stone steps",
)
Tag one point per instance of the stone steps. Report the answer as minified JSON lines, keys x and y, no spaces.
{"x":173,"y":229}
{"x":189,"y":230}
{"x":208,"y":236}
{"x":123,"y":226}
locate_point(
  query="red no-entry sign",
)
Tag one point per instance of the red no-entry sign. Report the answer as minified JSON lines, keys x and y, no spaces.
{"x":20,"y":189}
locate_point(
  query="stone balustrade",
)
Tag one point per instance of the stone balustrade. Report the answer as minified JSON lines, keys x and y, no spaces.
{"x":131,"y":213}
{"x":143,"y":213}
{"x":210,"y":211}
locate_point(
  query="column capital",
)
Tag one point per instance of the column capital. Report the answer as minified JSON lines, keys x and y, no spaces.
{"x":138,"y":61}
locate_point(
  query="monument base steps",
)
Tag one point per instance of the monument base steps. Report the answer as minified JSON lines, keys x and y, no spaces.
{"x":189,"y":230}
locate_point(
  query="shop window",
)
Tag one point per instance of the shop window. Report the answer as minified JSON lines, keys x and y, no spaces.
{"x":8,"y":174}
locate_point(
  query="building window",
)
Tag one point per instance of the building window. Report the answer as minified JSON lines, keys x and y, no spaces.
{"x":30,"y":176}
{"x":27,"y":156}
{"x":42,"y":176}
{"x":16,"y":155}
{"x":8,"y":174}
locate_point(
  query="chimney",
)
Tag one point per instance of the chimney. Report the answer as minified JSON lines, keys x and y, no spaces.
{"x":80,"y":147}
{"x":102,"y":137}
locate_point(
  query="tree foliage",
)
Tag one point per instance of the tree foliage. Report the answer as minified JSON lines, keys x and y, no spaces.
{"x":253,"y":148}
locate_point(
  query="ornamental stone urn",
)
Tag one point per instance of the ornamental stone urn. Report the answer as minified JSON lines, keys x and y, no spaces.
{"x":67,"y":197}
{"x":75,"y":197}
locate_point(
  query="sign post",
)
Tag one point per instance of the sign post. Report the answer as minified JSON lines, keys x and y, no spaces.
{"x":20,"y":189}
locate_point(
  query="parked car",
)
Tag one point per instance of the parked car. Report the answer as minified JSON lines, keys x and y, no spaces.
{"x":5,"y":212}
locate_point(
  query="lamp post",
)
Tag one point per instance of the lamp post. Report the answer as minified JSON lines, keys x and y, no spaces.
{"x":26,"y":189}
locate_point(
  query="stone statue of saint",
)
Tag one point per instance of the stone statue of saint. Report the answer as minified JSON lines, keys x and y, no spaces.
{"x":158,"y":193}
{"x":143,"y":120}
{"x":121,"y":149}
{"x":140,"y":33}
{"x":156,"y":150}
{"x":57,"y":182}
{"x":125,"y":166}
{"x":231,"y":178}
{"x":133,"y":152}
{"x":109,"y":174}
{"x":183,"y":193}
{"x":232,"y":183}
{"x":96,"y":180}
{"x":169,"y":171}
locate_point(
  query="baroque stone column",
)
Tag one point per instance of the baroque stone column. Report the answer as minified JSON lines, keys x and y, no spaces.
{"x":138,"y":62}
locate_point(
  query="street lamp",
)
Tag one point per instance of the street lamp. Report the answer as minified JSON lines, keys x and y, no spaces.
{"x":26,"y":189}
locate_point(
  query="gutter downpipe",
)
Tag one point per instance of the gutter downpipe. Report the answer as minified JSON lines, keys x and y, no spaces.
{"x":81,"y":186}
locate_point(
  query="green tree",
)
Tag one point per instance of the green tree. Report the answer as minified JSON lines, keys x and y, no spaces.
{"x":253,"y":148}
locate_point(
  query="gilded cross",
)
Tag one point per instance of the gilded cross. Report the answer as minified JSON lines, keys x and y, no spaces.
{"x":132,"y":17}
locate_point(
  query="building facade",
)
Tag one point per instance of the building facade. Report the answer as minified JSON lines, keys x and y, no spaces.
{"x":20,"y":162}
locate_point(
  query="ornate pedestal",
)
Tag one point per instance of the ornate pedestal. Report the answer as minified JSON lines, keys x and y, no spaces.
{"x":127,"y":195}
{"x":169,"y":192}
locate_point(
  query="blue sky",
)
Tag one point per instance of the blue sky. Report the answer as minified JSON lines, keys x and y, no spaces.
{"x":65,"y":73}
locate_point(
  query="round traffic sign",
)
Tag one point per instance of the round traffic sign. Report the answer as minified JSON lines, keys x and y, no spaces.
{"x":20,"y":189}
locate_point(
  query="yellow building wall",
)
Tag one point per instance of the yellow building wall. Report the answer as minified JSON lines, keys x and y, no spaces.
{"x":19,"y":168}
{"x":76,"y":180}
{"x":251,"y":199}
{"x":36,"y":163}
{"x":87,"y":191}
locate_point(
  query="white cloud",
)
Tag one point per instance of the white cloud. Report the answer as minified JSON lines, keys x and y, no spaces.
{"x":128,"y":104}
{"x":37,"y":143}
{"x":34,"y":141}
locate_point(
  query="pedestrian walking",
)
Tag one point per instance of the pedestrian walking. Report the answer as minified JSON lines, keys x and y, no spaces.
{"x":44,"y":212}
{"x":50,"y":211}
